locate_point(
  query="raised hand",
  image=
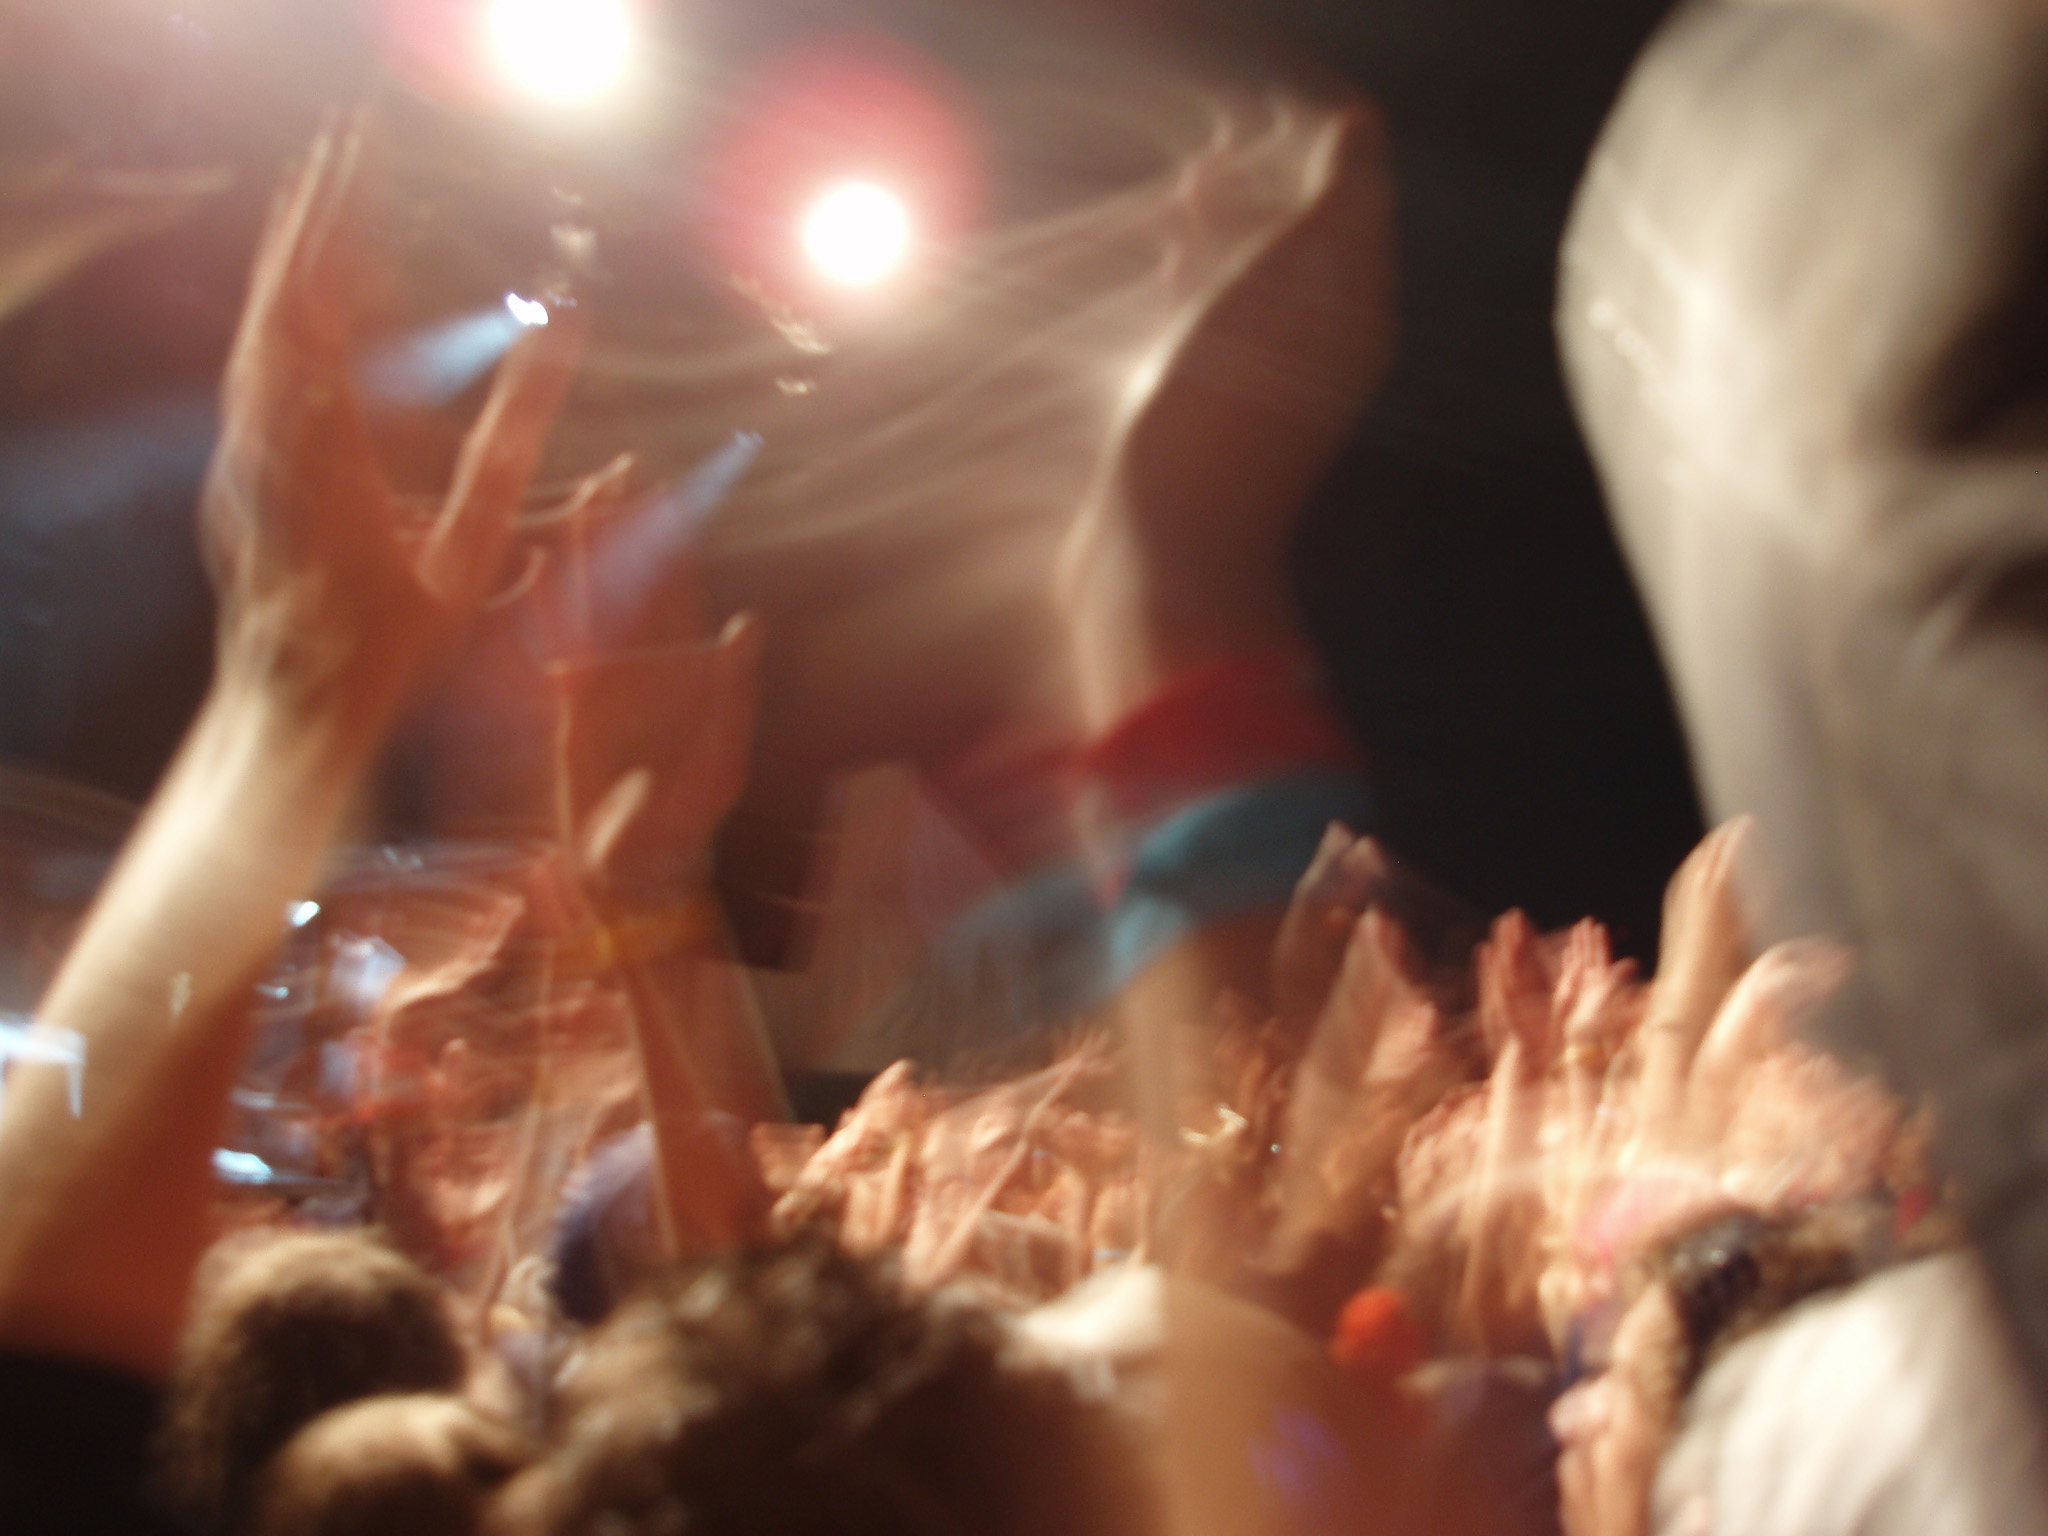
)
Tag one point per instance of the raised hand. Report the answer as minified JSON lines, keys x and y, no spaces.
{"x":329,"y":603}
{"x":654,"y":751}
{"x":1703,"y":950}
{"x":329,"y":606}
{"x":1598,"y":1004}
{"x":1337,"y":887}
{"x":1785,"y":985}
{"x":1376,"y":1063}
{"x":1592,"y":998}
{"x":1515,"y":989}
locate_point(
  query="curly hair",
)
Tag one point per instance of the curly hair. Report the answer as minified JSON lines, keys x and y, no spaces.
{"x":423,"y":1464}
{"x":1734,"y":1273}
{"x":292,"y":1327}
{"x":798,"y":1391}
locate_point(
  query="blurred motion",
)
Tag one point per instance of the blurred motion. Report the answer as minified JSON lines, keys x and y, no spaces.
{"x":770,"y":918}
{"x":1802,"y":303}
{"x":21,"y":1039}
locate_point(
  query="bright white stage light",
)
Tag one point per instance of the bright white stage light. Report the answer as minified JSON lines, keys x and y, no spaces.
{"x":527,"y":312}
{"x":561,"y":50}
{"x":857,"y":233}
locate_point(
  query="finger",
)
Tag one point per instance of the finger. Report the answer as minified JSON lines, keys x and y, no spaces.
{"x":499,"y":457}
{"x":290,"y":376}
{"x":1320,"y":875}
{"x":316,"y":298}
{"x":597,"y":497}
{"x":281,"y":234}
{"x":335,"y":212}
{"x":303,"y":295}
{"x":1365,"y":868}
{"x":532,"y":573}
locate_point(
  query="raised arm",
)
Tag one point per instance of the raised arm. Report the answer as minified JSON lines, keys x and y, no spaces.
{"x":328,"y":609}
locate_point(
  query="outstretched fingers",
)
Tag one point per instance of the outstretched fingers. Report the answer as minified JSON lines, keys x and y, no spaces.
{"x":1702,"y":956}
{"x":293,"y":480}
{"x":324,"y":259}
{"x":598,"y":495}
{"x":1592,"y":999}
{"x":279,"y":259}
{"x":1703,"y":943}
{"x":294,"y":338}
{"x":563,"y":607}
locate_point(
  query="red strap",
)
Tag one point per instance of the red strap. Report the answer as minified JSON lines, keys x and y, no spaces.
{"x":1229,"y":722}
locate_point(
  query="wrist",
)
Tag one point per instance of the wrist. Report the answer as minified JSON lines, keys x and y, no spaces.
{"x":634,"y":933}
{"x":331,"y":685}
{"x":255,"y":732}
{"x":331,"y":714}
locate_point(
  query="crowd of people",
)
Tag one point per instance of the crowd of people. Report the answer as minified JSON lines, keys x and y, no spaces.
{"x":465,"y":1197}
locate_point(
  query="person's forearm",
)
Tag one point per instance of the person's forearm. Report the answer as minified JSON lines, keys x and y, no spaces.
{"x":102,"y":1215}
{"x":709,"y":1193}
{"x":1500,"y":1193}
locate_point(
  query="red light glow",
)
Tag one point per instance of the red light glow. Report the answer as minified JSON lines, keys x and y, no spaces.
{"x":850,"y":162}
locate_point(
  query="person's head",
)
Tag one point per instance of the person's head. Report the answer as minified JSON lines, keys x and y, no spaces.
{"x":417,"y":1464}
{"x":797,"y":1390}
{"x":1830,"y":497}
{"x":1691,"y":1298}
{"x":1893,"y":1406}
{"x":283,"y":1329}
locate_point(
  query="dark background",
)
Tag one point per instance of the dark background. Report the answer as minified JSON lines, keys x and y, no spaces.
{"x":1456,"y":570}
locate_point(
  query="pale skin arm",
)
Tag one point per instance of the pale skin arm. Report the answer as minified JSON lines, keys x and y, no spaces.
{"x":1703,"y":952}
{"x":1595,"y":1008}
{"x":1503,"y":1204}
{"x":655,"y":723}
{"x":1597,"y":1005}
{"x":664,"y":735}
{"x":1309,"y":953}
{"x":1344,"y":1130}
{"x":328,"y":609}
{"x":1179,"y":560}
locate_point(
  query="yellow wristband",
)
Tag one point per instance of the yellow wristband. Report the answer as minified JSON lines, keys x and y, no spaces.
{"x":635,"y":935}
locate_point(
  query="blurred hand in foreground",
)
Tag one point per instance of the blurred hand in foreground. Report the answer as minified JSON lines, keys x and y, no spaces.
{"x":328,"y":601}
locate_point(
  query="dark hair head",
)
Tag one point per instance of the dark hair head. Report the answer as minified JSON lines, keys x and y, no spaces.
{"x":418,"y":1465}
{"x":288,"y":1328}
{"x":796,"y":1391}
{"x":1732,"y":1274}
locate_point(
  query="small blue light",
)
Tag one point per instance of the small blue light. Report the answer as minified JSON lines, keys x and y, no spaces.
{"x":240,"y":1167}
